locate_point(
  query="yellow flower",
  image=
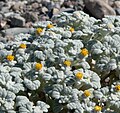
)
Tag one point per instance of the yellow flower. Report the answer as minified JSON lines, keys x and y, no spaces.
{"x":38,"y":66}
{"x":72,"y":29}
{"x":79,"y":75}
{"x":39,"y":30}
{"x":97,"y":108}
{"x":10,"y":57}
{"x":117,"y":87}
{"x":23,"y":46}
{"x":87,"y":93}
{"x":67,"y":63}
{"x":50,"y":26}
{"x":84,"y":52}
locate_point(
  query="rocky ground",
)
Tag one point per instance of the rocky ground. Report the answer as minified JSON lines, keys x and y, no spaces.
{"x":18,"y":15}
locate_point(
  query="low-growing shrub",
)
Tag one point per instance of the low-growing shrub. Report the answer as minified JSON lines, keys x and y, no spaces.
{"x":71,"y":66}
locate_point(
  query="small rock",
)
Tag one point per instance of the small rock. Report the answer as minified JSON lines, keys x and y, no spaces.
{"x":18,"y":6}
{"x":15,"y":7}
{"x":68,"y":10}
{"x":61,"y":2}
{"x":35,"y":5}
{"x":39,"y":1}
{"x":44,"y":10}
{"x":44,"y":2}
{"x":78,"y":5}
{"x":99,"y":8}
{"x":15,"y":31}
{"x":57,"y":5}
{"x":116,"y":4}
{"x":2,"y":23}
{"x":43,"y":17}
{"x":5,"y":9}
{"x":17,"y":21}
{"x":31,"y":16}
{"x":11,"y":3}
{"x":55,"y":11}
{"x":8,"y":14}
{"x":28,"y":24}
{"x":111,"y":2}
{"x":68,"y":4}
{"x":48,"y":5}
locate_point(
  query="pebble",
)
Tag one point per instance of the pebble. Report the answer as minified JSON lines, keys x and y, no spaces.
{"x":68,"y":10}
{"x":17,"y":21}
{"x":35,"y":5}
{"x":116,"y":4}
{"x":44,"y":10}
{"x":55,"y":11}
{"x":2,"y":24}
{"x":5,"y":9}
{"x":8,"y":14}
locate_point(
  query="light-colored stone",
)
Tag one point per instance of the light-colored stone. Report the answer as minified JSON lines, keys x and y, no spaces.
{"x":44,"y":10}
{"x":18,"y":6}
{"x":55,"y":11}
{"x":28,"y":24}
{"x":106,"y":1}
{"x":35,"y":5}
{"x":2,"y":23}
{"x":15,"y":31}
{"x":98,"y":8}
{"x":5,"y":9}
{"x":116,"y":4}
{"x":68,"y":10}
{"x":8,"y":14}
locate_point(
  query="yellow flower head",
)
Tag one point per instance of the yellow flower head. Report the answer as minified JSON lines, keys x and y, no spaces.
{"x":67,"y":63}
{"x":38,"y":66}
{"x":23,"y":46}
{"x":39,"y":30}
{"x":117,"y":87}
{"x":84,"y":52}
{"x":87,"y":93}
{"x":79,"y":75}
{"x":50,"y":26}
{"x":72,"y":29}
{"x":97,"y":108}
{"x":10,"y":57}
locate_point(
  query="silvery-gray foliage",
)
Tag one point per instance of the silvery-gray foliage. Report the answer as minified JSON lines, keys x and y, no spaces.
{"x":6,"y":99}
{"x":77,"y":70}
{"x":25,"y":106}
{"x":32,"y":85}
